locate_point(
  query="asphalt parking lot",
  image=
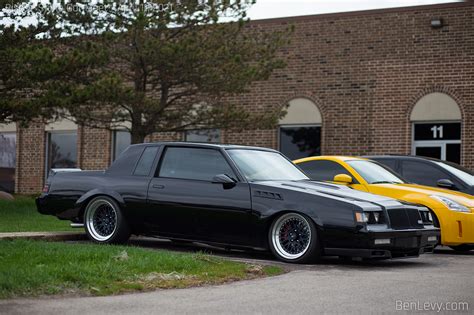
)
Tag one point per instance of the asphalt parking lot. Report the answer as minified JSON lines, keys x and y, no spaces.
{"x":438,"y":282}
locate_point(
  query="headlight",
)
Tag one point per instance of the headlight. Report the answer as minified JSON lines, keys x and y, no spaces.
{"x":370,"y":217}
{"x":426,"y":217}
{"x":451,"y":204}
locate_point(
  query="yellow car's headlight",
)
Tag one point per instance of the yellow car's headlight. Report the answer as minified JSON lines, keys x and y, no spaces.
{"x":451,"y":204}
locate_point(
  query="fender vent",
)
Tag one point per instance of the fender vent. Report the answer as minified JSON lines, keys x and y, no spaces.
{"x":267,"y":194}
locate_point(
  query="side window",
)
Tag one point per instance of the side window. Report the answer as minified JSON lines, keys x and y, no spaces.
{"x":421,"y":173}
{"x":194,"y":163}
{"x":146,"y":161}
{"x":323,"y":170}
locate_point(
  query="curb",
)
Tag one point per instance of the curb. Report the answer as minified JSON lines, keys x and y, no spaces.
{"x":44,"y":236}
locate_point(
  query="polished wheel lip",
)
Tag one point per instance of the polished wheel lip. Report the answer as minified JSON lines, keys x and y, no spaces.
{"x":92,"y":222}
{"x":275,"y":235}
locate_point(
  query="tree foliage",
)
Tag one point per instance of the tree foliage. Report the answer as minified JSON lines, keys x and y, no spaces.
{"x":149,"y":66}
{"x":19,"y":53}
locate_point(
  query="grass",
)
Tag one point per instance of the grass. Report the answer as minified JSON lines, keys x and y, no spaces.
{"x":21,"y":215}
{"x":33,"y":268}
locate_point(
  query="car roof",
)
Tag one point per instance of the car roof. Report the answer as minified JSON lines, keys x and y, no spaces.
{"x":204,"y":145}
{"x":401,"y":157}
{"x":330,"y":157}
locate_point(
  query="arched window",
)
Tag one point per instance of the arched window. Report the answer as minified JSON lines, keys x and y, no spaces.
{"x":300,"y":129}
{"x":436,"y":120}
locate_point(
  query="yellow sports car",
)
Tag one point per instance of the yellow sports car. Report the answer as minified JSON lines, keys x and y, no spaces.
{"x":453,"y":211}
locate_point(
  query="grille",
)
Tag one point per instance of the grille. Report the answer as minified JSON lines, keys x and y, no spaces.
{"x":405,"y":218}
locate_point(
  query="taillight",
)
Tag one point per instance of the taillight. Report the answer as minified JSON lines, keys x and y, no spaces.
{"x":46,"y":188}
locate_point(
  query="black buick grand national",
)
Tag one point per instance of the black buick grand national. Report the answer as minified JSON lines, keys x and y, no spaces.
{"x":237,"y":197}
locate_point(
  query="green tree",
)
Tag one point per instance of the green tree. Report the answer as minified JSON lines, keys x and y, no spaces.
{"x":17,"y":41}
{"x":153,"y":66}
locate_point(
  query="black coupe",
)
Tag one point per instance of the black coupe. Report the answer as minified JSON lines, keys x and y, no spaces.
{"x":234,"y":196}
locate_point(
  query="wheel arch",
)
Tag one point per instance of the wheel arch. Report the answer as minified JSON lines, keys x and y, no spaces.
{"x":315,"y":219}
{"x":84,"y":200}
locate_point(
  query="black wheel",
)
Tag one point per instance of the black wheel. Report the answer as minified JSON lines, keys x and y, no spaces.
{"x":104,"y":221}
{"x":293,"y":238}
{"x":462,"y":248}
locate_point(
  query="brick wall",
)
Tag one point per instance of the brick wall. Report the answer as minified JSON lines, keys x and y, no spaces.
{"x":30,"y":165}
{"x":366,"y":70}
{"x":94,"y":148}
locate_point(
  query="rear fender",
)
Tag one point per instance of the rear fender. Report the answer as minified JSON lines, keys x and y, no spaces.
{"x":82,"y":202}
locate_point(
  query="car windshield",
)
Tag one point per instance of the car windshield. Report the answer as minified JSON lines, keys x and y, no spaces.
{"x":374,"y":173}
{"x":257,"y":165}
{"x":464,"y":174}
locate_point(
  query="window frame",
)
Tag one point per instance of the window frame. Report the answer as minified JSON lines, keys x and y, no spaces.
{"x":435,"y":143}
{"x":228,"y":160}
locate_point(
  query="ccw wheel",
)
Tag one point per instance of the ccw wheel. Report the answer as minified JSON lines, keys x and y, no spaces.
{"x":293,"y":238}
{"x":104,"y":221}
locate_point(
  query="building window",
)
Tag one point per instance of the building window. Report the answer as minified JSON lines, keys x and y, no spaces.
{"x":7,"y":161}
{"x":300,"y":129}
{"x":438,"y":140}
{"x":436,"y":120}
{"x":61,"y":149}
{"x":121,"y":139}
{"x":203,"y":135}
{"x":300,"y":141}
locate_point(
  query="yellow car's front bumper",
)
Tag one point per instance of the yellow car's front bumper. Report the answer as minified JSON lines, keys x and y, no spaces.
{"x":457,"y":228}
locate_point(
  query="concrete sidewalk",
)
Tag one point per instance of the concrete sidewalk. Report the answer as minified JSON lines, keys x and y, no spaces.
{"x":46,"y":236}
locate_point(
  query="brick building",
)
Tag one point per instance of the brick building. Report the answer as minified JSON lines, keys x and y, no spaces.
{"x":369,"y":82}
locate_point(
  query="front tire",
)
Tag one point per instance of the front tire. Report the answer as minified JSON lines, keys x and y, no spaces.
{"x":104,"y":222}
{"x":293,"y":238}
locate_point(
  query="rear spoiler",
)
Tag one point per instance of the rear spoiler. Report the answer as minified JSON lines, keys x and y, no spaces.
{"x":53,"y":171}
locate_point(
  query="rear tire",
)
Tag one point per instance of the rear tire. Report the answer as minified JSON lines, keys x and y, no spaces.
{"x":462,"y":248}
{"x":104,"y":222}
{"x":293,"y":238}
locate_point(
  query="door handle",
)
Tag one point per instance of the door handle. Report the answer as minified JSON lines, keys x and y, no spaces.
{"x":158,"y":186}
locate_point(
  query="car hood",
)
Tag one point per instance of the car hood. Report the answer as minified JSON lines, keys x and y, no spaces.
{"x":464,"y":199}
{"x":334,"y":190}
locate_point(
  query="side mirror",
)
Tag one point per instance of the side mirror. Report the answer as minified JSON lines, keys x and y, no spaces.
{"x":446,"y":183}
{"x":225,"y":180}
{"x":343,"y":179}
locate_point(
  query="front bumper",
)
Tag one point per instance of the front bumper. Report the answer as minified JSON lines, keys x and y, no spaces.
{"x":457,"y":227}
{"x":402,"y":244}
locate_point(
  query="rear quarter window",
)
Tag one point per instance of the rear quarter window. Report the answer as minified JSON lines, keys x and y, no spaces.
{"x":126,"y":162}
{"x":146,"y":161}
